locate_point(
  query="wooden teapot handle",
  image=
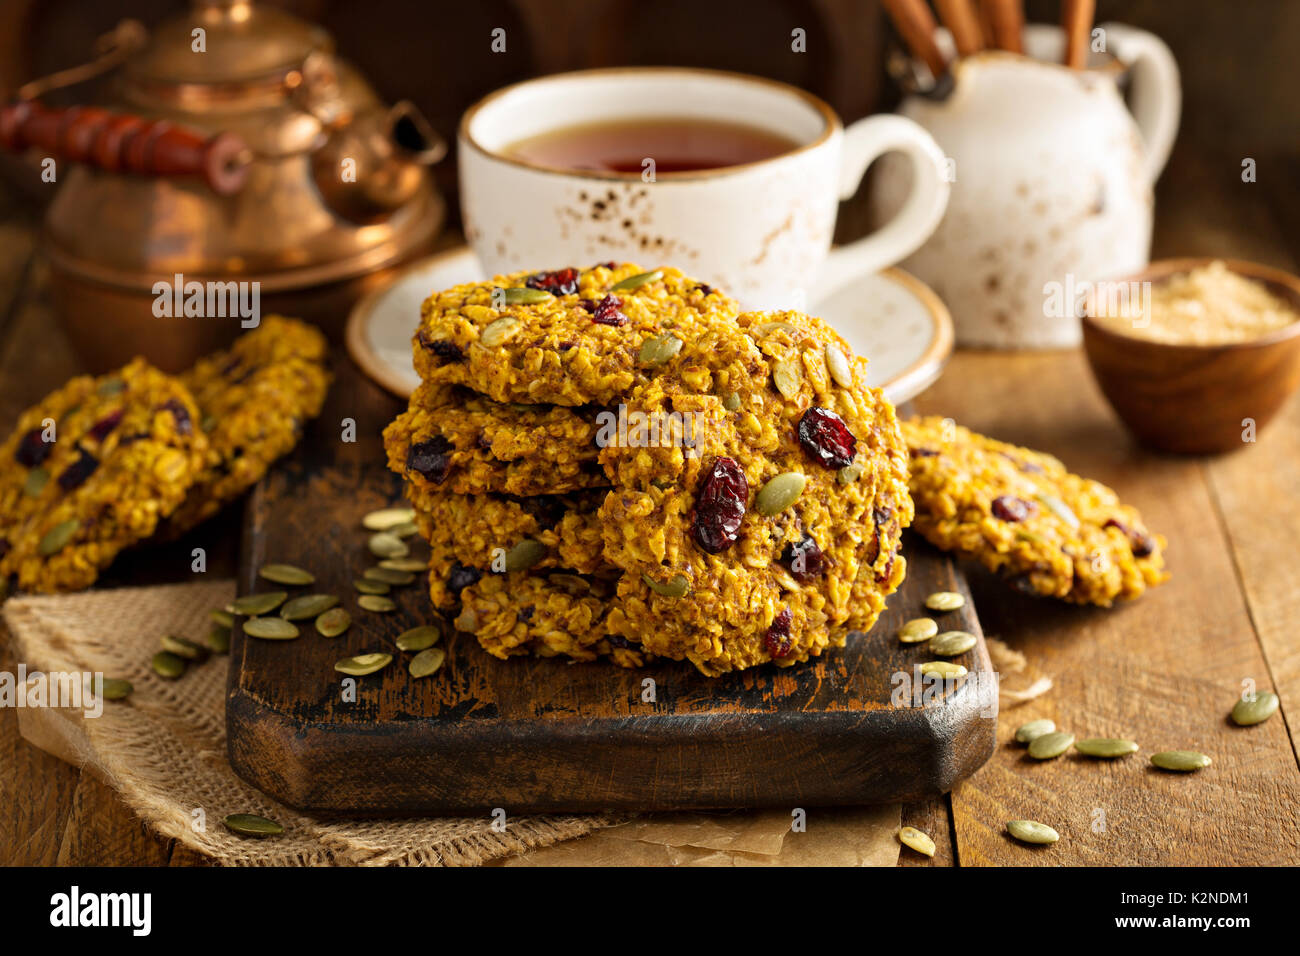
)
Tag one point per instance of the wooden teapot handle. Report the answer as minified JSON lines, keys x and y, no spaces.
{"x":121,"y":142}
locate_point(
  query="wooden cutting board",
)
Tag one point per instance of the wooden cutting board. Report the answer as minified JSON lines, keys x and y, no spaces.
{"x":859,"y":725}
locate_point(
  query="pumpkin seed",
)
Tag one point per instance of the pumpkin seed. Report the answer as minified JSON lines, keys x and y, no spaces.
{"x":952,"y":643}
{"x":1033,"y":537}
{"x":111,"y":688}
{"x":636,"y":281}
{"x":1050,"y":746}
{"x":386,"y":518}
{"x":183,"y":648}
{"x":570,"y":582}
{"x":168,"y":665}
{"x":1028,"y":733}
{"x":308,"y":605}
{"x":918,"y":629}
{"x":674,"y":587}
{"x":427,"y":662}
{"x":838,"y":366}
{"x":270,"y":628}
{"x":945,"y":669}
{"x":1031,"y":831}
{"x":779,"y":493}
{"x":57,"y":538}
{"x":944,"y":601}
{"x":251,"y":825}
{"x":376,"y":603}
{"x":419,"y":638}
{"x":849,"y":474}
{"x":1105,"y":747}
{"x":363,"y":664}
{"x":524,"y":295}
{"x":504,"y":327}
{"x":1059,"y":508}
{"x":1247,"y":712}
{"x":250,"y":605}
{"x":110,"y":387}
{"x":787,"y":377}
{"x":385,"y":544}
{"x":524,"y":555}
{"x":766,"y":328}
{"x":918,"y":841}
{"x":287,"y":574}
{"x":222,"y":618}
{"x":366,"y":586}
{"x":208,"y":423}
{"x":658,"y":349}
{"x":1181,"y":760}
{"x":35,"y":484}
{"x":334,"y":622}
{"x":404,"y":564}
{"x":404,"y":530}
{"x":219,"y":639}
{"x":386,"y":576}
{"x":732,"y":402}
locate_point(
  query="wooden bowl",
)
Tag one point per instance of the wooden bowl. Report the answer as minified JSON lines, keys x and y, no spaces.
{"x":1196,"y":399}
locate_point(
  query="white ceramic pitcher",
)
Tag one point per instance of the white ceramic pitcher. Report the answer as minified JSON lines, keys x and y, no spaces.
{"x":1052,"y":181}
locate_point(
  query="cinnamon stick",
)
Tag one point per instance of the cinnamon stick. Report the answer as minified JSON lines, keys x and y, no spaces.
{"x":1076,"y":19}
{"x":1007,"y":18}
{"x":959,"y":17}
{"x":915,"y":25}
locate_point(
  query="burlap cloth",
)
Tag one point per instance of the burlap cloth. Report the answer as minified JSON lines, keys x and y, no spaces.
{"x":164,"y":751}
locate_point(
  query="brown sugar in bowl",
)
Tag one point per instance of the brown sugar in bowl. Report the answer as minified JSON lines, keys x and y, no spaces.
{"x":1197,"y":399}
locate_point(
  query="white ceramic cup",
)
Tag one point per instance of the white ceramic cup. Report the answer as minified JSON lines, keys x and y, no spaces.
{"x":761,"y":231}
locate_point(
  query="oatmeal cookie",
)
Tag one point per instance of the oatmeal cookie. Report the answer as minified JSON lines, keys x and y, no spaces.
{"x":1021,"y":514}
{"x":567,"y":337}
{"x":452,"y":439}
{"x":92,"y":470}
{"x":254,"y":399}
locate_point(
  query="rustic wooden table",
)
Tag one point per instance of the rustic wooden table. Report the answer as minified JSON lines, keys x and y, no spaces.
{"x":1164,"y":670}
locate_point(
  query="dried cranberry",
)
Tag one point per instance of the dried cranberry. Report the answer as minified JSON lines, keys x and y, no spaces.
{"x":777,"y":639}
{"x":804,"y":560}
{"x":922,"y":452}
{"x":607,"y":265}
{"x":525,"y":614}
{"x":704,"y":289}
{"x":33,"y":449}
{"x":430,"y":459}
{"x":184,"y":425}
{"x":616,"y":641}
{"x":824,"y":435}
{"x":1011,"y":508}
{"x":1140,"y":542}
{"x":607,"y":311}
{"x":461,"y":577}
{"x":559,"y":282}
{"x":75,"y":475}
{"x":444,"y":350}
{"x":719,"y":506}
{"x":100,"y":430}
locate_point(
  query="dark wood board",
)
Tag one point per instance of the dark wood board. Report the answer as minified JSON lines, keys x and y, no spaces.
{"x":545,"y":735}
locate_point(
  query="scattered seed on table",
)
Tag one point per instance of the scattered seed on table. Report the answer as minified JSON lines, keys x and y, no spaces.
{"x":1052,"y":745}
{"x":168,"y":665}
{"x":952,"y":643}
{"x":251,"y":605}
{"x":918,"y":629}
{"x":183,"y":648}
{"x":219,"y":639}
{"x":287,"y":574}
{"x":389,"y":576}
{"x":334,"y":622}
{"x":387,"y":545}
{"x":111,"y":688}
{"x":944,"y":601}
{"x":308,"y":605}
{"x":419,"y":638}
{"x":1027,"y":733}
{"x":251,"y":825}
{"x":1248,"y":712}
{"x":1105,"y":747}
{"x":270,"y":628}
{"x":366,"y":586}
{"x":405,"y":564}
{"x":918,"y":841}
{"x":946,"y":669}
{"x":1182,"y":761}
{"x":404,"y":530}
{"x":222,"y":618}
{"x":386,"y":518}
{"x":1031,"y":831}
{"x":377,"y":603}
{"x":427,"y":662}
{"x":363,"y":664}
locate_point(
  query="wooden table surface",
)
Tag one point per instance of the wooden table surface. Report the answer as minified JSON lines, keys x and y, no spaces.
{"x":1164,"y":670}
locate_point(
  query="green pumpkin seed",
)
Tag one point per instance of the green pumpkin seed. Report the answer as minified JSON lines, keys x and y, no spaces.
{"x":636,"y":281}
{"x":251,"y":825}
{"x":427,"y":662}
{"x":334,"y":622}
{"x":404,"y":530}
{"x":419,"y":638}
{"x":524,"y":555}
{"x":1105,"y":747}
{"x":386,"y":576}
{"x":183,"y":648}
{"x":208,"y":423}
{"x":732,"y":402}
{"x":1028,"y":733}
{"x":109,"y":387}
{"x":376,"y":603}
{"x":1032,"y":537}
{"x":385,"y":544}
{"x":570,"y":582}
{"x":1059,"y":508}
{"x":1180,"y":760}
{"x":504,"y":327}
{"x":57,"y":538}
{"x":110,"y":688}
{"x":35,"y":483}
{"x":168,"y":665}
{"x":308,"y":605}
{"x":219,"y":639}
{"x":404,"y":564}
{"x":838,"y":366}
{"x":270,"y":628}
{"x":945,"y":669}
{"x":674,"y":587}
{"x":1247,"y":712}
{"x":363,"y":664}
{"x":251,"y":605}
{"x":917,"y":630}
{"x":779,"y":493}
{"x":523,"y":295}
{"x":944,"y":601}
{"x":386,"y":518}
{"x":1050,"y":746}
{"x":849,"y":474}
{"x":918,"y":841}
{"x":952,"y":643}
{"x":787,"y":376}
{"x":1031,"y":831}
{"x":658,"y":349}
{"x":222,"y":618}
{"x":366,"y":586}
{"x":764,"y":329}
{"x":287,"y":574}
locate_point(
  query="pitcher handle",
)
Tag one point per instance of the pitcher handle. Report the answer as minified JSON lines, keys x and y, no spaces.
{"x":1156,"y":93}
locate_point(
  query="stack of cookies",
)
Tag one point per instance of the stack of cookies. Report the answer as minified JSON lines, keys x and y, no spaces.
{"x":105,"y":463}
{"x":617,"y":463}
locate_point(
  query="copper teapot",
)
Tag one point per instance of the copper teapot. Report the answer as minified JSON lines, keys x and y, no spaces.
{"x":236,"y":148}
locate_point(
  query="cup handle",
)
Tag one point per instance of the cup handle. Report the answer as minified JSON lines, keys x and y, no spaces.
{"x":864,"y":142}
{"x":1156,"y":95}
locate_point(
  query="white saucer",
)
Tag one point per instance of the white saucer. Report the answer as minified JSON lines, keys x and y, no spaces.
{"x":892,"y":318}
